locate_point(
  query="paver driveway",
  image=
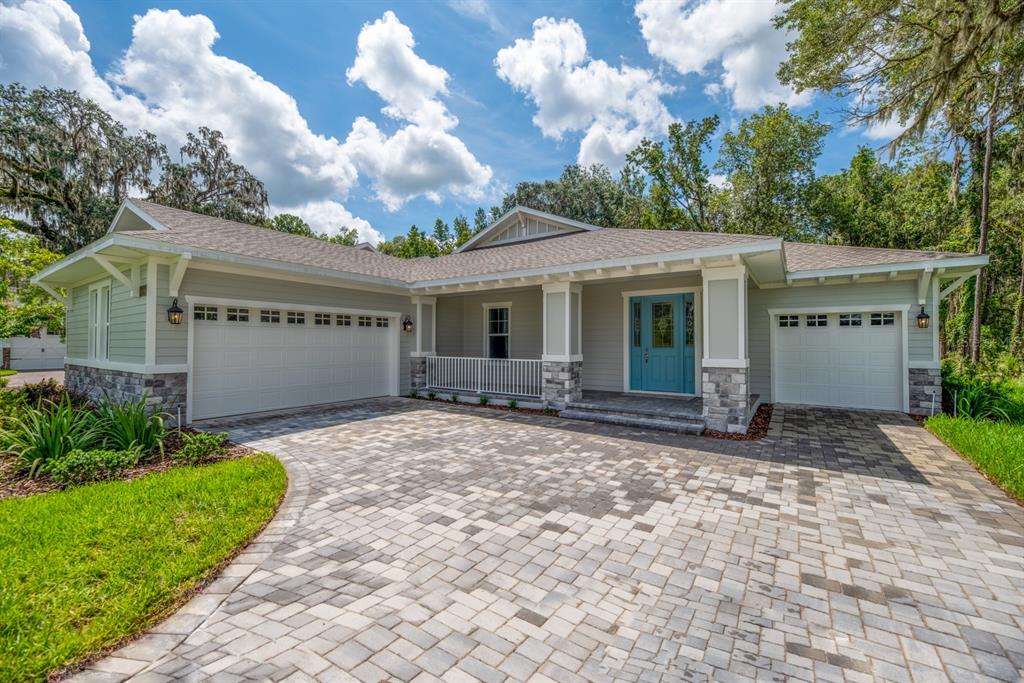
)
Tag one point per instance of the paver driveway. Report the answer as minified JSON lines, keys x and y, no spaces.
{"x":421,"y":541}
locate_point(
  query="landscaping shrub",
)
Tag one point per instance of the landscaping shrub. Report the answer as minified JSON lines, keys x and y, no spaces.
{"x":432,"y":395}
{"x":128,"y":426}
{"x":513,"y":404}
{"x":79,"y":467}
{"x":41,"y":435}
{"x":11,"y":402}
{"x":47,"y":390}
{"x":201,"y":446}
{"x":484,"y":400}
{"x":967,"y":393}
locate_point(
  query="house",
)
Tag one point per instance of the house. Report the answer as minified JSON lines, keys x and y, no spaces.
{"x":215,"y":318}
{"x":41,"y":350}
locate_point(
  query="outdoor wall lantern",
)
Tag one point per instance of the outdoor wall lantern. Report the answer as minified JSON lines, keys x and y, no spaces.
{"x":922,"y":319}
{"x":407,"y":324}
{"x":174,"y":313}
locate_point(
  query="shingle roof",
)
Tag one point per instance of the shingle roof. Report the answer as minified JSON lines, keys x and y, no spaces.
{"x":197,"y":231}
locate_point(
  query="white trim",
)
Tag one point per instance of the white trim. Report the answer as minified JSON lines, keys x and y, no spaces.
{"x":52,"y":291}
{"x":151,"y":312}
{"x":521,"y":210}
{"x":285,"y":306}
{"x":100,"y":323}
{"x":487,"y":332}
{"x":698,"y":328}
{"x":950,"y":262}
{"x":956,"y":283}
{"x":924,"y":283}
{"x":561,"y":357}
{"x":936,"y":354}
{"x":146,"y":218}
{"x":114,"y":271}
{"x":146,"y":368}
{"x":178,"y":274}
{"x":925,"y":364}
{"x":727,"y":362}
{"x":903,"y":311}
{"x":737,"y":273}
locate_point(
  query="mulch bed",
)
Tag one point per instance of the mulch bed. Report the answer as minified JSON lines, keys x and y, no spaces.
{"x":14,"y":484}
{"x":757,"y":430}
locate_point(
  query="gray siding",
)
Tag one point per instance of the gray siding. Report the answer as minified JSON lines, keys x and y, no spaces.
{"x":604,"y":327}
{"x":229,"y":286}
{"x":460,"y":323}
{"x":171,"y":340}
{"x":449,"y":326}
{"x":898,"y":294}
{"x":126,"y":342}
{"x":77,"y":325}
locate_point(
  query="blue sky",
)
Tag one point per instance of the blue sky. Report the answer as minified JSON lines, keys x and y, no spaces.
{"x":380,"y":115}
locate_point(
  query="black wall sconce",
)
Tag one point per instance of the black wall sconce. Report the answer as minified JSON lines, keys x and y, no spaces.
{"x":922,"y":319}
{"x":174,"y":313}
{"x":407,"y":325}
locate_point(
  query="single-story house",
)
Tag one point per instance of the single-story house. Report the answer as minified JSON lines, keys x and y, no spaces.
{"x":215,"y":318}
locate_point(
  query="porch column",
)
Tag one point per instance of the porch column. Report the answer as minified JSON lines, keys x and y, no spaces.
{"x":562,"y":360}
{"x":725,"y":380}
{"x":424,"y":344}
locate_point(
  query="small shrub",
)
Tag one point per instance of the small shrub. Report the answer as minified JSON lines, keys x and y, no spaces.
{"x":513,"y":404}
{"x":12,"y":403}
{"x":969,"y":394}
{"x":41,"y":435}
{"x":432,"y":395}
{"x":201,"y":446}
{"x":484,"y":400}
{"x":414,"y":394}
{"x":128,"y":426}
{"x":46,"y":390}
{"x":79,"y":467}
{"x":455,"y":397}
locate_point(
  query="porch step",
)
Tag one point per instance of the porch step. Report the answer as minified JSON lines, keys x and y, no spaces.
{"x":637,"y":410}
{"x":679,"y":425}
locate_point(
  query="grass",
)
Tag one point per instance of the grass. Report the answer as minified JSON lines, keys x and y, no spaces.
{"x":996,"y":448}
{"x":82,"y":569}
{"x":8,"y":373}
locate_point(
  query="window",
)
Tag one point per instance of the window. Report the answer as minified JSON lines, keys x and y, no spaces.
{"x":238,"y":315}
{"x":850,"y":320}
{"x":663,"y":325}
{"x":382,"y":322}
{"x":365,"y":321}
{"x":99,"y":320}
{"x":343,"y":321}
{"x":296,"y":318}
{"x":204,"y":312}
{"x":498,"y":331}
{"x":789,"y":321}
{"x":883,"y":319}
{"x":321,"y":318}
{"x":817,"y":320}
{"x":636,"y":324}
{"x":270,"y":316}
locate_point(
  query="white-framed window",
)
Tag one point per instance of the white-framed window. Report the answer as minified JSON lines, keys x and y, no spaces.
{"x":850,"y":320}
{"x":817,"y":320}
{"x":365,"y":321}
{"x":382,"y":322}
{"x":788,"y":321}
{"x":99,"y":319}
{"x":268,"y":316}
{"x":321,"y":319}
{"x":296,"y":318}
{"x":498,"y":324}
{"x":237,"y":315}
{"x":204,"y":312}
{"x":883,"y":319}
{"x":343,"y":321}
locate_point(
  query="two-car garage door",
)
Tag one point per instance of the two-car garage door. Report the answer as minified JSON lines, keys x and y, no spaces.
{"x":248,"y":360}
{"x":848,"y":360}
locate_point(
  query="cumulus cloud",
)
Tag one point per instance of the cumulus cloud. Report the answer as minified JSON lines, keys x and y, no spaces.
{"x":613,"y":106}
{"x":331,"y":217}
{"x":422,"y":158}
{"x":736,"y":36}
{"x":171,"y":80}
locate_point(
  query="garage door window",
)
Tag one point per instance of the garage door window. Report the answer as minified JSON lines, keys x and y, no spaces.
{"x":883,"y":319}
{"x":270,"y":316}
{"x":296,"y":318}
{"x":850,"y":320}
{"x":817,"y":320}
{"x":382,"y":322}
{"x":365,"y":321}
{"x":205,"y":313}
{"x":789,"y":321}
{"x":344,"y":321}
{"x":321,"y":318}
{"x":238,"y":315}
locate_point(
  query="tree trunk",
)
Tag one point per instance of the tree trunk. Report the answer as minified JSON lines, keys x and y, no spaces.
{"x":979,"y":286}
{"x":1017,"y":339}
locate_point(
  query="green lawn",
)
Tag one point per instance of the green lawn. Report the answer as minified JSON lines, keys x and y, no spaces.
{"x":997,"y":448}
{"x":8,"y":373}
{"x":83,"y":568}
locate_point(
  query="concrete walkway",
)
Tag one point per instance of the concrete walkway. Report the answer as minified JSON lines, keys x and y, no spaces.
{"x":425,"y":542}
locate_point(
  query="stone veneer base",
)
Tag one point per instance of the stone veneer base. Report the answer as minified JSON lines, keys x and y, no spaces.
{"x":166,"y":392}
{"x":925,"y":391}
{"x":726,"y":399}
{"x":562,"y":382}
{"x":417,"y":372}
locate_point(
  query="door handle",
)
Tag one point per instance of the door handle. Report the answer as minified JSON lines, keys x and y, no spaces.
{"x":646,"y":355}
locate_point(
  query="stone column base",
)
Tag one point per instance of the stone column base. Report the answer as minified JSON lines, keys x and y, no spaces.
{"x":726,"y":394}
{"x":925,"y":391}
{"x":417,"y":373}
{"x":164,"y":392}
{"x":562,"y":382}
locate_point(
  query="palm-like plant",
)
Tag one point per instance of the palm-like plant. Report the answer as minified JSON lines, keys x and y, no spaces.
{"x":40,"y":436}
{"x":129,"y":426}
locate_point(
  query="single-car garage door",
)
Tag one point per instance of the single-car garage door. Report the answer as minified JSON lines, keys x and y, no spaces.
{"x":848,"y":360}
{"x":247,"y":360}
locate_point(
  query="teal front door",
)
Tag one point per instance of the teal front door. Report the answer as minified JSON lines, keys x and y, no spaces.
{"x":661,"y":353}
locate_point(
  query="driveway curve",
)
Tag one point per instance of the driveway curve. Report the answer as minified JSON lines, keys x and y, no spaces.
{"x":424,"y":542}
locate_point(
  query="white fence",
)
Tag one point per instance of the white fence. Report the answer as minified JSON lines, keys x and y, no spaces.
{"x":509,"y":377}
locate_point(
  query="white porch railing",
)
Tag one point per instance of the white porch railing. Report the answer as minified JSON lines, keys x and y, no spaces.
{"x":510,"y":377}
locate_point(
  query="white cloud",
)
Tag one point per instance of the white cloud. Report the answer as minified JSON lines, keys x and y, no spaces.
{"x":423,"y":157}
{"x":886,"y":131}
{"x":736,"y":35}
{"x":330,"y":217}
{"x":615,"y":106}
{"x":480,"y":10}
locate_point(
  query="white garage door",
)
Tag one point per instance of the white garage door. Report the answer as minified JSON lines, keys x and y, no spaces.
{"x":45,"y":352}
{"x":248,"y":360}
{"x":849,"y":360}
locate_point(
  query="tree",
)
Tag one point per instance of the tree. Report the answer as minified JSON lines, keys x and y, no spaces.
{"x":291,"y":224}
{"x":590,"y":195}
{"x":347,"y":237}
{"x":769,"y":162}
{"x":463,"y":233}
{"x":413,"y":244}
{"x":208,"y":181}
{"x":480,"y":220}
{"x":675,"y":177}
{"x":442,"y":237}
{"x":66,"y":164}
{"x":24,"y":307}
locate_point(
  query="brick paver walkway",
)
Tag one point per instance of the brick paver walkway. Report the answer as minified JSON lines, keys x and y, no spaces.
{"x":421,"y":542}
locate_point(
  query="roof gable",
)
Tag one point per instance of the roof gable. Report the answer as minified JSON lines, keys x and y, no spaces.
{"x":130,"y":217}
{"x":522,"y":224}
